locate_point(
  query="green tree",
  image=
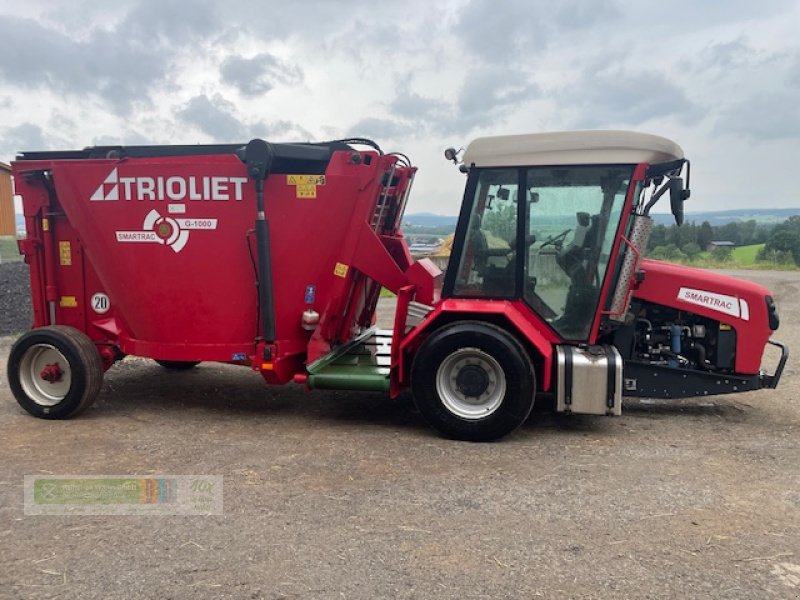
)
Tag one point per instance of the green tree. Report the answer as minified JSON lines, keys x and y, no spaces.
{"x":704,"y":235}
{"x":659,"y":236}
{"x":667,"y":252}
{"x":784,"y":240}
{"x":691,"y":249}
{"x":721,"y":254}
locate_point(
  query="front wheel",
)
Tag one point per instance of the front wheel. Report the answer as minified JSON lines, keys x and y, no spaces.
{"x":473,"y":381}
{"x":55,"y":372}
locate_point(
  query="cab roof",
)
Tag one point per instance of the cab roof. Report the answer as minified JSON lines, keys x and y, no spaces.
{"x":571,"y":148}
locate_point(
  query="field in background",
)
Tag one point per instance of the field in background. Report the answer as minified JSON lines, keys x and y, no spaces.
{"x":743,"y":257}
{"x":746,"y":255}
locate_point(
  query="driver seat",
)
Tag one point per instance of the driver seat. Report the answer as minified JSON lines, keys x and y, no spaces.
{"x":571,"y":258}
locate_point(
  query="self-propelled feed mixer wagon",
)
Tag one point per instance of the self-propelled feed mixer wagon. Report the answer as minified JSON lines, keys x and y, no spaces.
{"x":273,"y":256}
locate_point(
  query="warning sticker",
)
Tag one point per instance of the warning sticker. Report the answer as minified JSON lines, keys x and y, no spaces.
{"x":305,"y":179}
{"x":340,"y":270}
{"x":68,"y":302}
{"x":306,"y":191}
{"x":305,"y":185}
{"x":64,"y":254}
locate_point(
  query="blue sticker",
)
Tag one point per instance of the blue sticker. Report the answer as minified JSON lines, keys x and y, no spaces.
{"x":311,"y":293}
{"x":239,"y":356}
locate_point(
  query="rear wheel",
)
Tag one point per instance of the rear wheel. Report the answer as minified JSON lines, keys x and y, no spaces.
{"x":473,"y":381}
{"x":178,"y":365}
{"x":55,"y":372}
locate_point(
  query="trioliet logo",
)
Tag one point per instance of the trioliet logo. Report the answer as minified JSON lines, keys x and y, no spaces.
{"x":173,"y":188}
{"x":161,"y":229}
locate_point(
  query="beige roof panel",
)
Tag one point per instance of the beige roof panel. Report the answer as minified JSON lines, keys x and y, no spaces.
{"x":571,"y":148}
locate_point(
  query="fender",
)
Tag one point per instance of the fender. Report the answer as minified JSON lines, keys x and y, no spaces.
{"x":520,"y":317}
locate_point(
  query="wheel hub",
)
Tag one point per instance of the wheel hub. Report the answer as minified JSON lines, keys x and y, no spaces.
{"x":45,"y":375}
{"x":471,"y":384}
{"x":472,"y":381}
{"x":52,"y":373}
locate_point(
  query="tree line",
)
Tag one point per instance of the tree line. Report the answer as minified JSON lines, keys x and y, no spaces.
{"x":781,"y":241}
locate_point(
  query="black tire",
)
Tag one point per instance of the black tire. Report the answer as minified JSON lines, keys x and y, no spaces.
{"x":467,"y":361}
{"x":76,"y":383}
{"x":178,"y":365}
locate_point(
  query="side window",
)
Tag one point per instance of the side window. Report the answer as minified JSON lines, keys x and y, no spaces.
{"x":573,"y":216}
{"x":488,"y":259}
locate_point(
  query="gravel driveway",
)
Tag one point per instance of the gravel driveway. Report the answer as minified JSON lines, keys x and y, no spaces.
{"x":348,"y":495}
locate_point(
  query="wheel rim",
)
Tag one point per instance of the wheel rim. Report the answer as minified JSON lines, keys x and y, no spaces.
{"x":471,"y":384}
{"x":45,"y":375}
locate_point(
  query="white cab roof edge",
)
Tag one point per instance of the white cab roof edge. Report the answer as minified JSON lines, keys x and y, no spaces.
{"x":571,"y":148}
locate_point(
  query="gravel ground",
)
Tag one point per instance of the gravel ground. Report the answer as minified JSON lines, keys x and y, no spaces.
{"x":345,"y":495}
{"x":15,"y":289}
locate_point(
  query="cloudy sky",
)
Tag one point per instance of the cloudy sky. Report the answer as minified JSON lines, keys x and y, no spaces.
{"x":722,"y":78}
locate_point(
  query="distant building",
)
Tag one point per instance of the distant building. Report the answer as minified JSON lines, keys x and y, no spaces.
{"x":720,"y":244}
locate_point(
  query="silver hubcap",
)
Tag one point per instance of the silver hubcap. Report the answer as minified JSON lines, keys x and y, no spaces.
{"x":471,"y":384}
{"x":45,"y":375}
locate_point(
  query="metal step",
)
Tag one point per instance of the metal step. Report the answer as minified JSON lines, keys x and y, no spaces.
{"x":362,"y":364}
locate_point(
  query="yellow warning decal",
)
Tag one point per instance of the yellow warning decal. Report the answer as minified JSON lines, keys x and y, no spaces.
{"x":306,"y":191}
{"x":305,"y":179}
{"x":64,"y":254}
{"x":340,"y":270}
{"x":68,"y":302}
{"x":305,"y":185}
{"x":45,"y":225}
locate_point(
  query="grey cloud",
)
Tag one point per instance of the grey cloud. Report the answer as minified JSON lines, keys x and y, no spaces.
{"x":620,"y":98}
{"x":488,"y":94}
{"x":794,"y":71}
{"x":38,"y":57}
{"x":727,"y":55}
{"x":26,"y":136}
{"x":578,"y":14}
{"x":171,"y":21}
{"x":763,"y":116}
{"x":214,"y":117}
{"x":503,"y":31}
{"x":498,"y":31}
{"x":411,"y":105}
{"x":381,"y":129}
{"x":259,"y":74}
{"x":121,"y":64}
{"x":129,"y":138}
{"x":280,"y":130}
{"x":485,"y":97}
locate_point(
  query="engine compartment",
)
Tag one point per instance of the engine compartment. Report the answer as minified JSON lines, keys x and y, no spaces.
{"x":665,"y":336}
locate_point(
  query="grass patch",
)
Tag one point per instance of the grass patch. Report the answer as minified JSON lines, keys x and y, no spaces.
{"x":386,"y":293}
{"x":8,"y":249}
{"x":745,"y":256}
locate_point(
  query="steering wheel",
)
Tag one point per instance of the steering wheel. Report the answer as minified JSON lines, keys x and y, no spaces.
{"x":556,"y":240}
